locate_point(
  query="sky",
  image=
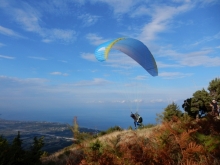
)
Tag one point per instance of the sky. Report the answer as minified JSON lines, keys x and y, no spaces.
{"x":48,"y":70}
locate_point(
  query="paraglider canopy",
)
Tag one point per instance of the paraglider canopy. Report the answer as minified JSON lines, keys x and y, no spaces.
{"x":131,"y":47}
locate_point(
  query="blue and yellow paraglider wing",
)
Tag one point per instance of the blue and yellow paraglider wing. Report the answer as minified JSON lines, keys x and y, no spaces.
{"x":102,"y":51}
{"x":131,"y":47}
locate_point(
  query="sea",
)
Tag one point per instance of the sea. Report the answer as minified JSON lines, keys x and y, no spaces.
{"x":98,"y":119}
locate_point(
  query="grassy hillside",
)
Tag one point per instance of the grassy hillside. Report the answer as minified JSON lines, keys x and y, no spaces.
{"x":181,"y":141}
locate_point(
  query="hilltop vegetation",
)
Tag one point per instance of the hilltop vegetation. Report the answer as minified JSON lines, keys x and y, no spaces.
{"x":178,"y":141}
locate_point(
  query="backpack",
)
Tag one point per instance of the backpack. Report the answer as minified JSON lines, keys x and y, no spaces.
{"x":139,"y":118}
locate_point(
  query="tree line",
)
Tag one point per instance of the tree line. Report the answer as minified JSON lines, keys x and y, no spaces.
{"x":197,"y":105}
{"x":14,"y":154}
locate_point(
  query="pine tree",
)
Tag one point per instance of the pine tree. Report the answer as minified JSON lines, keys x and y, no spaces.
{"x":170,"y":111}
{"x":214,"y":89}
{"x":35,"y":152}
{"x":17,"y":152}
{"x":4,"y":151}
{"x":14,"y":153}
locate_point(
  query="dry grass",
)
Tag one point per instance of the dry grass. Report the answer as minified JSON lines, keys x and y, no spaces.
{"x":125,"y":136}
{"x":176,"y":142}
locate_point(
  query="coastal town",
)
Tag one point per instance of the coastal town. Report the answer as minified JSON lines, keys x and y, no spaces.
{"x":56,"y":135}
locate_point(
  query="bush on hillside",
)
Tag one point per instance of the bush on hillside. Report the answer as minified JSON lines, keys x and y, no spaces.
{"x":110,"y":130}
{"x":169,"y":112}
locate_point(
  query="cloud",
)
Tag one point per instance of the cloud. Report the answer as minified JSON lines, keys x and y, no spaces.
{"x":203,"y":3}
{"x":51,"y":35}
{"x":157,"y":101}
{"x":64,"y":61}
{"x":120,"y":101}
{"x":161,"y":19}
{"x":27,"y":16}
{"x":207,"y":39}
{"x":7,"y":57}
{"x":94,"y":39}
{"x":1,"y":45}
{"x":47,"y":40}
{"x":59,"y":73}
{"x":174,"y":75}
{"x":198,"y":58}
{"x":9,"y":32}
{"x":94,"y":82}
{"x":203,"y":57}
{"x":37,"y":58}
{"x":14,"y":82}
{"x":141,"y":77}
{"x":92,"y":102}
{"x":30,"y":19}
{"x":39,"y":93}
{"x":166,"y":65}
{"x":56,"y":7}
{"x":119,"y":7}
{"x":140,"y":11}
{"x":89,"y":57}
{"x":88,"y":19}
{"x":137,"y":101}
{"x":132,"y":101}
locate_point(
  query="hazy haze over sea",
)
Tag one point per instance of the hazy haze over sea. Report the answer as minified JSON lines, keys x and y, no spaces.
{"x":89,"y":118}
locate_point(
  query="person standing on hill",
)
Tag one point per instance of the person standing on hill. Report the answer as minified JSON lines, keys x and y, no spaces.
{"x":215,"y":107}
{"x":137,"y":119}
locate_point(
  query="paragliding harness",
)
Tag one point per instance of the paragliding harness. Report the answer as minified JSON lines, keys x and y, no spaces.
{"x":137,"y":119}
